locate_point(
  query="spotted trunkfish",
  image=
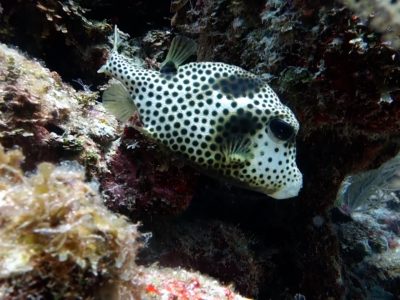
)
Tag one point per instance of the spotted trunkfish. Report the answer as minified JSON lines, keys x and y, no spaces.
{"x":223,"y":119}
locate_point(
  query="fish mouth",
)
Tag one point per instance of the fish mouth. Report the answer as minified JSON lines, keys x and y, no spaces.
{"x":288,"y":191}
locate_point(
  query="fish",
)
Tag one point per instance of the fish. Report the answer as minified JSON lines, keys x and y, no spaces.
{"x":221,"y":118}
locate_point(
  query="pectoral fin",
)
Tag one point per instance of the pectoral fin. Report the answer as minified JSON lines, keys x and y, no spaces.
{"x":237,"y":151}
{"x":117,"y":100}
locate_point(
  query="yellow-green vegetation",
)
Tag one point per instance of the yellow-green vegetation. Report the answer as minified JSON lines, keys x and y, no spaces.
{"x":87,"y":99}
{"x":56,"y":232}
{"x":13,"y":72}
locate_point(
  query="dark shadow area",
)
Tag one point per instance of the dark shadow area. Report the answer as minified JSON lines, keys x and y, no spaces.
{"x":72,"y":39}
{"x":248,"y":236}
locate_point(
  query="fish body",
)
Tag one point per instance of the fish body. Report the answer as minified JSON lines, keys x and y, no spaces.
{"x":220,"y":117}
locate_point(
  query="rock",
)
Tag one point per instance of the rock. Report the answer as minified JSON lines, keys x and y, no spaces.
{"x":47,"y":118}
{"x":211,"y":247}
{"x":60,"y":241}
{"x":144,"y":181}
{"x":370,"y":236}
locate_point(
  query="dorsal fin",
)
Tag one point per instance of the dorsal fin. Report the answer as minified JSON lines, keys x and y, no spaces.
{"x":181,"y":49}
{"x":116,"y":99}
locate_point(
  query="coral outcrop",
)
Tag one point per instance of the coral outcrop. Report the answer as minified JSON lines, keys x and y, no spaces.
{"x":211,"y":247}
{"x":59,"y":33}
{"x":170,"y":283}
{"x":60,"y":241}
{"x":58,"y":238}
{"x":48,"y":118}
{"x":144,"y":181}
{"x":367,"y":220}
{"x":382,"y":16}
{"x":71,"y":35}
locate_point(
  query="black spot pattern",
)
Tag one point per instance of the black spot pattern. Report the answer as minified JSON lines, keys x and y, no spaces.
{"x":204,"y":110}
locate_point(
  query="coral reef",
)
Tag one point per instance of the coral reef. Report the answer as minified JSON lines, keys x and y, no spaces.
{"x":211,"y":247}
{"x":337,"y":73}
{"x":49,"y":119}
{"x":179,"y":284}
{"x":144,"y":181}
{"x":383,"y":16}
{"x":67,"y":230}
{"x":60,"y":241}
{"x":59,"y":33}
{"x":368,"y":225}
{"x":66,"y":34}
{"x":56,"y":230}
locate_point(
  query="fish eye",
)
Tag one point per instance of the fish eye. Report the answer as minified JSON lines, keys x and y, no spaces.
{"x":281,"y":130}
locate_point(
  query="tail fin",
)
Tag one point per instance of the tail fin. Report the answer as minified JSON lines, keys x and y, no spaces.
{"x":119,"y":37}
{"x":181,"y":49}
{"x":116,"y":40}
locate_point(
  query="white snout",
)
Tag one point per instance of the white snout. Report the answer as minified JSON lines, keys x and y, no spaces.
{"x":289,"y":191}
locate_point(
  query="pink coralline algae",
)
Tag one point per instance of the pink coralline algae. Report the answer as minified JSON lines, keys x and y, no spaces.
{"x":178,"y":284}
{"x":144,"y":180}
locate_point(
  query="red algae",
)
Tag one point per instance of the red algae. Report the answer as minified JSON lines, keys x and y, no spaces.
{"x":144,"y":180}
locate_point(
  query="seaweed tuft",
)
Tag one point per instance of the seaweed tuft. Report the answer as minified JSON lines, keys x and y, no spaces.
{"x":58,"y":237}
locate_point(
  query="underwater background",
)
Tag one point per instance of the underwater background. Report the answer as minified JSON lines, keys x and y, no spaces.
{"x":90,"y":208}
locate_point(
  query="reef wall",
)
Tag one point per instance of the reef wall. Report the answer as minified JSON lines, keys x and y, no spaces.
{"x":338,"y":74}
{"x":59,"y":240}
